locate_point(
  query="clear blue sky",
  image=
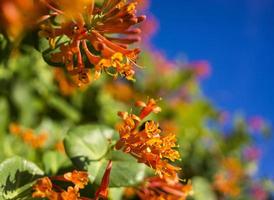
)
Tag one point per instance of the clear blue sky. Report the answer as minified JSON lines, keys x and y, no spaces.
{"x":237,"y":38}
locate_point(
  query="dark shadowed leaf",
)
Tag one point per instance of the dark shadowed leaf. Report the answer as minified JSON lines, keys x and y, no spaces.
{"x":17,"y":177}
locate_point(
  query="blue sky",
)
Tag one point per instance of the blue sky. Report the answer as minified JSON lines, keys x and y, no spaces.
{"x":237,"y":38}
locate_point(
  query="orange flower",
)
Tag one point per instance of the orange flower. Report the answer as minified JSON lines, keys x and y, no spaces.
{"x":72,"y":193}
{"x":18,"y":15}
{"x":228,"y":180}
{"x":156,"y":188}
{"x":59,"y":146}
{"x":28,"y":136}
{"x":129,"y":192}
{"x":148,"y":144}
{"x":15,"y":129}
{"x":39,"y":140}
{"x":45,"y":189}
{"x":66,"y":86}
{"x":78,"y":178}
{"x":92,"y":37}
{"x":115,"y":90}
{"x":42,"y":188}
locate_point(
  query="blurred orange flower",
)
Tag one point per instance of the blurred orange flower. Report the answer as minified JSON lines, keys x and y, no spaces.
{"x":16,"y":16}
{"x":227,"y":181}
{"x":156,"y":188}
{"x":44,"y":188}
{"x":28,"y":136}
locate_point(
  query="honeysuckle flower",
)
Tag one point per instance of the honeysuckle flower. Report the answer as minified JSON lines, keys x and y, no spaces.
{"x":45,"y":189}
{"x":156,"y":188}
{"x":72,"y":193}
{"x":67,"y":86}
{"x":78,"y":178}
{"x":147,"y":143}
{"x":17,"y":16}
{"x":42,"y":188}
{"x":94,"y":37}
{"x":227,"y":181}
{"x":28,"y":136}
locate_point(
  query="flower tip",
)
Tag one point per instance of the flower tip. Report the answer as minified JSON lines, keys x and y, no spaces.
{"x":141,"y":18}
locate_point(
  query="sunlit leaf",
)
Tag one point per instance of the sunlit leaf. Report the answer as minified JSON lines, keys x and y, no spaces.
{"x":17,"y":177}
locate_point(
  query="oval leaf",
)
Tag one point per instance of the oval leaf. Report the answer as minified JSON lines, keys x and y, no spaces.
{"x":17,"y":177}
{"x":88,"y":145}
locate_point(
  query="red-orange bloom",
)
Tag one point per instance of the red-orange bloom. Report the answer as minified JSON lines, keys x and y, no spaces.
{"x":78,"y":178}
{"x":15,"y":129}
{"x":148,"y":144}
{"x":156,"y":188}
{"x":95,"y":37}
{"x":28,"y":136}
{"x":103,"y":189}
{"x":18,"y":15}
{"x":42,"y":188}
{"x":72,"y":193}
{"x":227,"y":181}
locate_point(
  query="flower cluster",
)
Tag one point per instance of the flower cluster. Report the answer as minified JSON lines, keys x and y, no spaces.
{"x":28,"y":135}
{"x":227,"y":181}
{"x":156,"y":188}
{"x":44,"y":188}
{"x":147,"y":143}
{"x":18,"y":15}
{"x":94,"y":37}
{"x":65,"y":84}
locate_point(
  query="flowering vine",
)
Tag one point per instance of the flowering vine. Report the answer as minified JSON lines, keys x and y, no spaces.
{"x":92,"y":40}
{"x":146,"y":142}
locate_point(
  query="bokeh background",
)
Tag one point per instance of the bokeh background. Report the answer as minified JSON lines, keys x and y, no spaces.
{"x":236,"y":38}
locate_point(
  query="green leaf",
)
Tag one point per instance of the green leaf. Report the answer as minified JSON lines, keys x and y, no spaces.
{"x":4,"y":117}
{"x":65,"y":108}
{"x":87,"y":141}
{"x":202,"y":189}
{"x":126,"y":171}
{"x":115,"y":193}
{"x":89,"y":149}
{"x":47,"y":51}
{"x":53,"y":161}
{"x":17,"y":177}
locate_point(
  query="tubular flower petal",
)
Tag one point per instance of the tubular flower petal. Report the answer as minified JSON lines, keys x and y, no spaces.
{"x":70,"y":194}
{"x":79,"y":178}
{"x":94,"y":37}
{"x":102,"y":191}
{"x":147,"y":143}
{"x":156,"y":188}
{"x":42,"y":188}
